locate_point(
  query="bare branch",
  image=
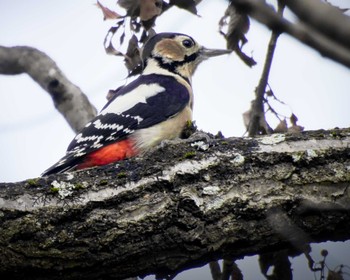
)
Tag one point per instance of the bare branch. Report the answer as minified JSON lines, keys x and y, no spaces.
{"x":68,"y":99}
{"x":306,"y":34}
{"x":327,"y":19}
{"x":258,"y":123}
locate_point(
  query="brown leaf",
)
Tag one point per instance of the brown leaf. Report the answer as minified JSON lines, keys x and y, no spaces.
{"x":146,"y":10}
{"x":269,"y":93}
{"x":146,"y":35}
{"x":132,"y":57}
{"x":237,"y":24}
{"x":135,"y":26}
{"x":189,"y":5}
{"x":282,"y":127}
{"x":150,"y":9}
{"x":246,"y":118}
{"x":112,"y":93}
{"x":109,"y":48}
{"x":293,"y":119}
{"x":107,"y":13}
{"x":334,"y":275}
{"x":295,"y":128}
{"x":132,"y":7}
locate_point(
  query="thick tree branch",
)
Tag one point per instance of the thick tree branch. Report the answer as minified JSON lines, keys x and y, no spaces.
{"x":178,"y":205}
{"x":307,"y":34}
{"x":69,"y":100}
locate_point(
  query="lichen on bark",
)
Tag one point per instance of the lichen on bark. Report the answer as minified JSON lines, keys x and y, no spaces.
{"x":167,"y":212}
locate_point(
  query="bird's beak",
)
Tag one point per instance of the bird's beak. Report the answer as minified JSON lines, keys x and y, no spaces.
{"x":206,"y":53}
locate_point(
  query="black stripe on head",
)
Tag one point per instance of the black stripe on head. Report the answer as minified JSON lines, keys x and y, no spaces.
{"x":172,"y":67}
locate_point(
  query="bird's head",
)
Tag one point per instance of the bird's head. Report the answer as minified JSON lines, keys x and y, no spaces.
{"x":175,"y":52}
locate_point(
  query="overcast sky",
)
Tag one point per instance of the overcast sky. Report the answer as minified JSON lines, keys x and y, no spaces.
{"x":34,"y":135}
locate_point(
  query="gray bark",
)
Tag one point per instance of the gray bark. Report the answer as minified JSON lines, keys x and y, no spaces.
{"x":181,"y":204}
{"x":68,"y":99}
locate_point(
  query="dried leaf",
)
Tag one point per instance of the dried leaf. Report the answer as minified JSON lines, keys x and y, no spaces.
{"x":236,"y":272}
{"x":246,"y":118}
{"x":295,"y":128}
{"x":107,"y":13}
{"x":150,"y":9}
{"x":189,"y":5}
{"x":282,"y":127}
{"x":146,"y":10}
{"x":132,"y":7}
{"x":147,"y":24}
{"x":132,"y":57}
{"x":269,"y":93}
{"x":334,"y":275}
{"x":237,"y":25}
{"x":109,"y":48}
{"x":112,"y":93}
{"x":122,"y":37}
{"x":293,"y":119}
{"x":135,"y":26}
{"x":146,"y":35}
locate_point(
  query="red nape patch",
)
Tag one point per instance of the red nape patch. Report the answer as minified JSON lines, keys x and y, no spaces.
{"x":109,"y":154}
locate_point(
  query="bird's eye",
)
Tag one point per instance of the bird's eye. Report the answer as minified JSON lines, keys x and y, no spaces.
{"x":187,"y":43}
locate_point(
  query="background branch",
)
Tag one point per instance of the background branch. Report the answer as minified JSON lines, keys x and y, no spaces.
{"x":307,"y":34}
{"x":68,"y":99}
{"x":327,"y":19}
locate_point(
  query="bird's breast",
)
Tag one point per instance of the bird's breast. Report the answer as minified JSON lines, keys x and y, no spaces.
{"x":149,"y":137}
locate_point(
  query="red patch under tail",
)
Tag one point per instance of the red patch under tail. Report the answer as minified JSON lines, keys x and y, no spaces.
{"x":109,"y":154}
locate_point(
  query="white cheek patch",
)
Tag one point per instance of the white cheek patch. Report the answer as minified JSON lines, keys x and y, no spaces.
{"x":138,"y":95}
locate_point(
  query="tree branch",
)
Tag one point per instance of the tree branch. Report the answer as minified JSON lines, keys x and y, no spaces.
{"x":308,"y":35}
{"x":327,"y":19}
{"x":178,"y":205}
{"x":258,"y":124}
{"x":68,"y":99}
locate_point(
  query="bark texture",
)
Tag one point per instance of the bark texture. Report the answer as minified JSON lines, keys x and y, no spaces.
{"x":180,"y":205}
{"x":68,"y":99}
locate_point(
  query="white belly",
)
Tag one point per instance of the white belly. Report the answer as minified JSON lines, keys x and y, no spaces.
{"x":170,"y":129}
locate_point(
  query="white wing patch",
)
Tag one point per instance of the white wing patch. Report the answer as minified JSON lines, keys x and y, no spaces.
{"x":138,"y":95}
{"x":79,"y":138}
{"x":113,"y":126}
{"x":78,"y":151}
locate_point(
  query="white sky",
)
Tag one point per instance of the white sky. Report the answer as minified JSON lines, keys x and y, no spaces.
{"x":33,"y":135}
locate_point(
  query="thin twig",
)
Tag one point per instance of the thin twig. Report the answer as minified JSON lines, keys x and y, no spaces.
{"x":215,"y":270}
{"x":258,"y":124}
{"x":306,"y":34}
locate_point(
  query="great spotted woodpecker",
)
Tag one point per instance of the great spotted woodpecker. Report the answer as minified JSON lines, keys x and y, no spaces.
{"x":154,"y":107}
